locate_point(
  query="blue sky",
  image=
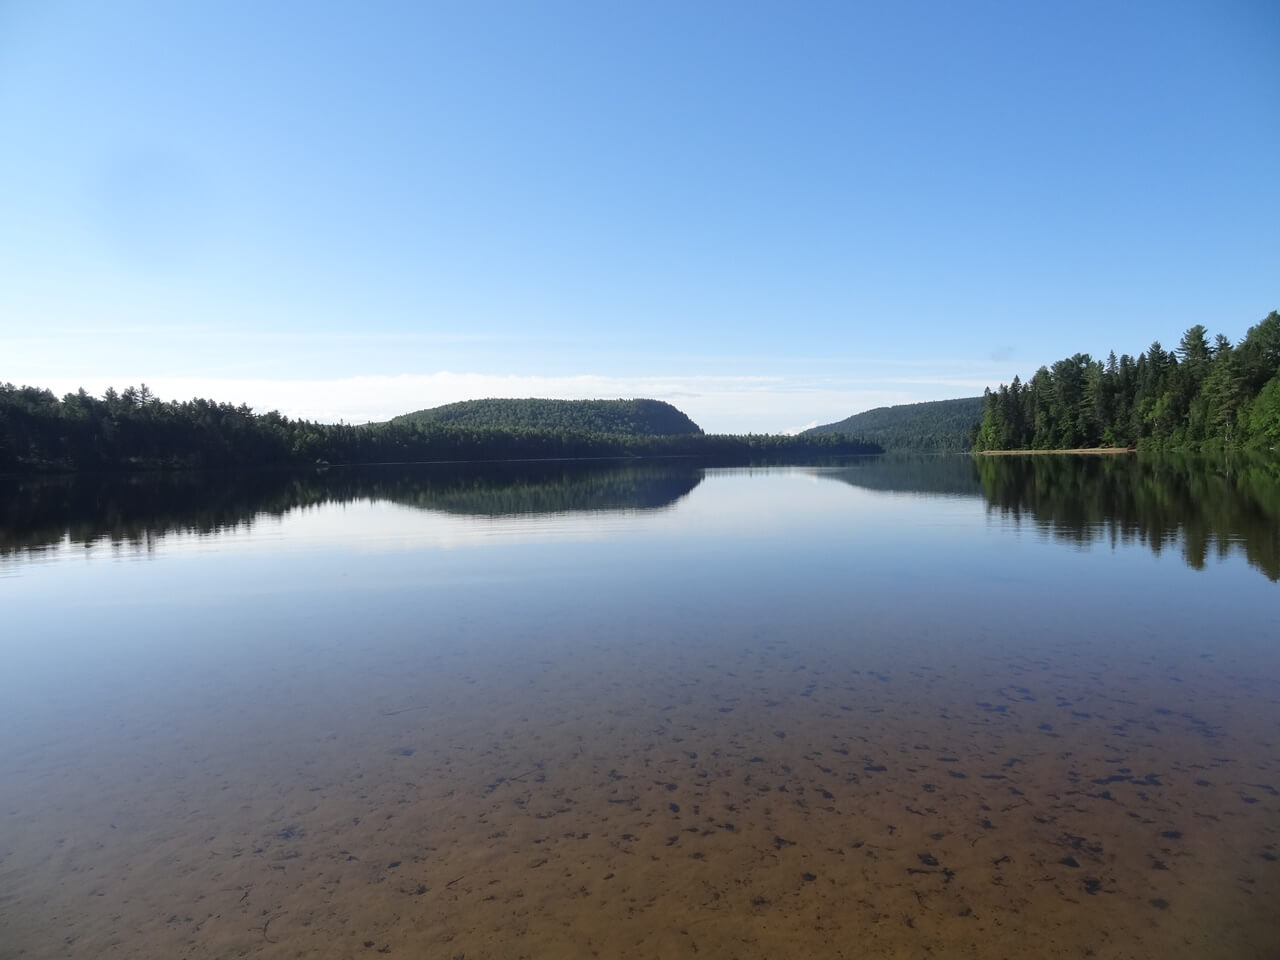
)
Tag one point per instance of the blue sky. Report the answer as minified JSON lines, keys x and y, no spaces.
{"x":772,"y":214}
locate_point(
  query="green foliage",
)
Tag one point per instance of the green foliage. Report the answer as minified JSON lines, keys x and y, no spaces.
{"x":640,"y":418}
{"x":1197,"y":396}
{"x":134,"y":430}
{"x":1264,"y":415}
{"x":939,"y":425}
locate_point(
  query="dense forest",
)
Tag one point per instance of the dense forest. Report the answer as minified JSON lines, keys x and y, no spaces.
{"x":641,"y":418}
{"x":133,"y":429}
{"x":1200,"y":395}
{"x":939,"y":425}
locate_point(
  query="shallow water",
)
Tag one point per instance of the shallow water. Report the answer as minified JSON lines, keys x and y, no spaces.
{"x":875,"y":709}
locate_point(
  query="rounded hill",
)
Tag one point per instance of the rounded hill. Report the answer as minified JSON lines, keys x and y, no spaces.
{"x":636,"y":418}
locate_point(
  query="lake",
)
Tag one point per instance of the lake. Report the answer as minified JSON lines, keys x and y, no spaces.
{"x":887,"y":707}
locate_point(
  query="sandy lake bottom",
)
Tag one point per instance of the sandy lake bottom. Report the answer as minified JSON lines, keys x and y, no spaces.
{"x":757,"y":802}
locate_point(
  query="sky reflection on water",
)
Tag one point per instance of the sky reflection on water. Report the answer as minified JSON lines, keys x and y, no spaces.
{"x":238,"y":672}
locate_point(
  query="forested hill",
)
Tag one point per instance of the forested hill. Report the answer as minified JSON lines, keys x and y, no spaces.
{"x":1201,"y":394}
{"x":942,"y":425}
{"x":632,"y":418}
{"x":134,"y":430}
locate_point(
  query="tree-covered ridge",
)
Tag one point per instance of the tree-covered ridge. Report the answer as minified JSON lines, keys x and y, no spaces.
{"x":1200,"y":394}
{"x":642,"y":418}
{"x":939,"y":425}
{"x":134,"y":430}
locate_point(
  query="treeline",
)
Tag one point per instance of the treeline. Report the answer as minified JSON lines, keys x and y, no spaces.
{"x":1200,"y":395}
{"x":640,"y":417}
{"x":133,"y":429}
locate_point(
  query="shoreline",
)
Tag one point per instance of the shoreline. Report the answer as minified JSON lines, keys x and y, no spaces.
{"x":1108,"y":451}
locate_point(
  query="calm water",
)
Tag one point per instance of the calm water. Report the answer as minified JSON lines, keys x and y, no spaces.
{"x":888,"y":708}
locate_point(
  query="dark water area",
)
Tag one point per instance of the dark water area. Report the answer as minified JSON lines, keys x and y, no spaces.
{"x":989,"y":708}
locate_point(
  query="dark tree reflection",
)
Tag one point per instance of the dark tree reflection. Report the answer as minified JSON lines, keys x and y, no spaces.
{"x":1206,"y":507}
{"x":136,"y":509}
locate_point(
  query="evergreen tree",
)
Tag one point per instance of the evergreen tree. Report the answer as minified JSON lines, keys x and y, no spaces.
{"x":1264,"y":415}
{"x":1201,"y":393}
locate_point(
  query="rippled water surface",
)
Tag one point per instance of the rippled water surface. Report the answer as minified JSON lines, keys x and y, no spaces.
{"x":886,"y":708}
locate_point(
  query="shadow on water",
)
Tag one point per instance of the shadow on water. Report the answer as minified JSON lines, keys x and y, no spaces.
{"x":139,"y":509}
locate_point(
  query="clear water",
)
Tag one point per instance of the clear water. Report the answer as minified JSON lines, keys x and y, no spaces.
{"x":882,"y":708}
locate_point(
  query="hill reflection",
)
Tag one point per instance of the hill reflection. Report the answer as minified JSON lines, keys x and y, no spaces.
{"x":953,"y":475}
{"x":138,"y":509}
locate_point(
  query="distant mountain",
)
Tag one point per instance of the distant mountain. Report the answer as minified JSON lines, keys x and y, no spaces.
{"x":940,"y":425}
{"x":635,"y":418}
